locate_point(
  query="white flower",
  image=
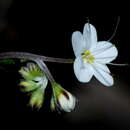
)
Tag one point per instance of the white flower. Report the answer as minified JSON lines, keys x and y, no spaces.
{"x":92,"y":56}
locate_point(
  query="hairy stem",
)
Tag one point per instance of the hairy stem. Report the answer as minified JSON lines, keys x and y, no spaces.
{"x":25,"y":55}
{"x":115,"y":64}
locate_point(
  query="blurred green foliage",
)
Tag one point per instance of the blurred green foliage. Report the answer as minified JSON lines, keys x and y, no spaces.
{"x":7,"y":61}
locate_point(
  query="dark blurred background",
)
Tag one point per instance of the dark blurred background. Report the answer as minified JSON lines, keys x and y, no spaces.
{"x":37,"y":28}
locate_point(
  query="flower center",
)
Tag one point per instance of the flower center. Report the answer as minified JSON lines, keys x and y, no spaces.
{"x":87,"y":57}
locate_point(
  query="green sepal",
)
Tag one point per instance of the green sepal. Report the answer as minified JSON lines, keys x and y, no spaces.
{"x":31,"y":72}
{"x":36,"y":99}
{"x":28,"y":86}
{"x":57,"y":89}
{"x":53,"y":104}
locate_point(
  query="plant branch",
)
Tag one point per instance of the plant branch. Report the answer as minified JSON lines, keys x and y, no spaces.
{"x":25,"y":55}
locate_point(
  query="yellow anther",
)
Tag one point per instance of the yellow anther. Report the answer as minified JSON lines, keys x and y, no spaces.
{"x":88,"y":57}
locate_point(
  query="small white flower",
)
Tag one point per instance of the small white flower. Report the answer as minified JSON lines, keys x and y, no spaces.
{"x":92,"y":56}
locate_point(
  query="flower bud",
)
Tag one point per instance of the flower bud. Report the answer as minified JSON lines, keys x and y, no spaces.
{"x":35,"y":83}
{"x":62,"y":99}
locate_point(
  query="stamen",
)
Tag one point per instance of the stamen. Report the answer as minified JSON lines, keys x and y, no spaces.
{"x":88,"y":57}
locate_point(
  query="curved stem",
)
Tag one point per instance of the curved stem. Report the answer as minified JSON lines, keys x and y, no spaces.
{"x":25,"y":55}
{"x":114,"y":33}
{"x":32,"y":57}
{"x":45,"y":69}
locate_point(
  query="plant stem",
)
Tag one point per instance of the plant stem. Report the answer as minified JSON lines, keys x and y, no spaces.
{"x":45,"y":69}
{"x":25,"y":55}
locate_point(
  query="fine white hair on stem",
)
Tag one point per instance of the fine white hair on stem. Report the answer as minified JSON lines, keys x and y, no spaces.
{"x":115,"y":64}
{"x":118,"y":21}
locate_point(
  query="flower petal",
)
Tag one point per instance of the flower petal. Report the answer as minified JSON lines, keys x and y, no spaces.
{"x":67,"y":104}
{"x":78,"y":43}
{"x":105,"y":52}
{"x":90,"y":36}
{"x":102,"y":67}
{"x":83,"y":71}
{"x":104,"y":77}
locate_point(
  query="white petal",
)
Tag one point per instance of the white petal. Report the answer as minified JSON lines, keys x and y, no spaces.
{"x":90,"y":36}
{"x":104,"y":77}
{"x":105,"y":52}
{"x":78,"y":43}
{"x":102,"y":67}
{"x":67,"y":104}
{"x":83,"y":71}
{"x":64,"y":103}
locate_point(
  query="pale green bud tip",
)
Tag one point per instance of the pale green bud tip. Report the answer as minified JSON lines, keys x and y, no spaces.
{"x":36,"y":99}
{"x":53,"y":106}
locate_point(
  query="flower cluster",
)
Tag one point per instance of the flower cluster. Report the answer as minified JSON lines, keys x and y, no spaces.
{"x":35,"y":83}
